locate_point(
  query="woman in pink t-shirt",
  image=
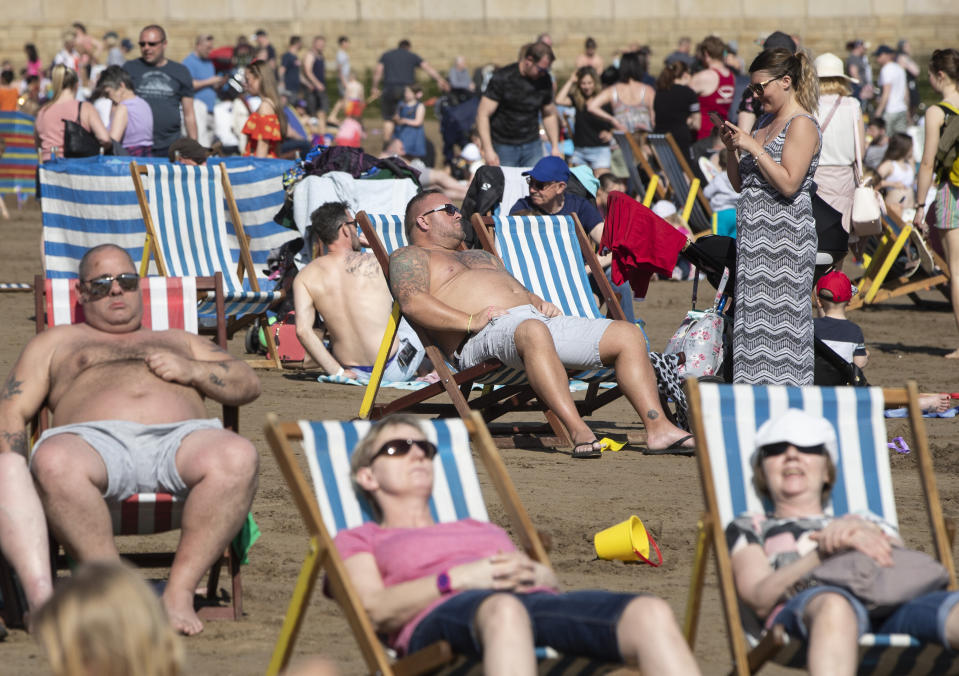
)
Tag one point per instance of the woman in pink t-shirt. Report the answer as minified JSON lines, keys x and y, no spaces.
{"x":464,"y":582}
{"x":65,"y":106}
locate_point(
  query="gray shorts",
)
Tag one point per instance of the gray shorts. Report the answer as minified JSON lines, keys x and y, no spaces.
{"x":576,"y":339}
{"x":139,"y":458}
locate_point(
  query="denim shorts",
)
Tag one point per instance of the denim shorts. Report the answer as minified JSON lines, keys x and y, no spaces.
{"x":576,"y":623}
{"x":596,"y":157}
{"x":924,"y":617}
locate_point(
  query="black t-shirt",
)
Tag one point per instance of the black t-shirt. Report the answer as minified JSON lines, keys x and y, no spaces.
{"x":291,"y":72}
{"x":162,"y":87}
{"x":516,"y":120}
{"x":588,"y":126}
{"x":673,"y":106}
{"x":399,"y":67}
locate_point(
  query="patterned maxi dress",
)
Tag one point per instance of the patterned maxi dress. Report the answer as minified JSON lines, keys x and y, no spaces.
{"x":775,"y":259}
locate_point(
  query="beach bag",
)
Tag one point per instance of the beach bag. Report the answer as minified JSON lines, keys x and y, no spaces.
{"x":77,"y":141}
{"x":866,"y":203}
{"x":947,"y":152}
{"x":882,"y":589}
{"x":699,"y":339}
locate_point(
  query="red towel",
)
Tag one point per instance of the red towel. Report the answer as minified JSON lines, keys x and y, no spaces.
{"x":642,"y":243}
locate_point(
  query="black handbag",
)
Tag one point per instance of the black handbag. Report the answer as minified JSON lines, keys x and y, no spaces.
{"x":77,"y":141}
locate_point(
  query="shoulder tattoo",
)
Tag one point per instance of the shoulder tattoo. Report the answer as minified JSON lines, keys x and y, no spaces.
{"x":409,"y":272}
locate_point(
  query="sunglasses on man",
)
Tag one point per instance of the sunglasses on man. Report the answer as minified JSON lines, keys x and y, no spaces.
{"x":399,"y":447}
{"x":101,"y":286}
{"x":771,"y":450}
{"x":450,"y":209}
{"x":538,"y":185}
{"x":147,"y":43}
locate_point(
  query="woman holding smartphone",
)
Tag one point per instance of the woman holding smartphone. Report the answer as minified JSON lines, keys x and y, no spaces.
{"x":775,"y":232}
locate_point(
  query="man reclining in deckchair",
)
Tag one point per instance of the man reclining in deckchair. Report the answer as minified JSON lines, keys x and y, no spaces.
{"x":128,"y":407}
{"x":347,"y":288}
{"x":476,"y":310}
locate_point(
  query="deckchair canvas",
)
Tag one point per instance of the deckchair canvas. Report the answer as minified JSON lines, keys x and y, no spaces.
{"x":877,"y":283}
{"x":725,"y":420}
{"x":684,"y":186}
{"x":186,"y":235}
{"x":328,"y":504}
{"x":168,"y":303}
{"x":564,"y":283}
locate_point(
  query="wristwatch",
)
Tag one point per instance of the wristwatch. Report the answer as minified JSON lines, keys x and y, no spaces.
{"x":444,"y":584}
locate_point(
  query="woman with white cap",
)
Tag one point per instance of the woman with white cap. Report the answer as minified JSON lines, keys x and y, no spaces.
{"x":772,"y":555}
{"x":843,"y":134}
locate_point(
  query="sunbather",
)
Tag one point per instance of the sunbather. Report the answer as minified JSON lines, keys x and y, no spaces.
{"x":128,"y":407}
{"x":465,"y":582}
{"x":476,"y":311}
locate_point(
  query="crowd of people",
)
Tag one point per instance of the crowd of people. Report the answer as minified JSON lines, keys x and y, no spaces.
{"x":769,"y":138}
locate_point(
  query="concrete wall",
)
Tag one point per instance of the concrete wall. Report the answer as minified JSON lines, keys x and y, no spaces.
{"x":487,"y":30}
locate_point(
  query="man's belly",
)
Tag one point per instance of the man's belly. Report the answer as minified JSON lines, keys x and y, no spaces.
{"x":475,"y":290}
{"x":124,"y":391}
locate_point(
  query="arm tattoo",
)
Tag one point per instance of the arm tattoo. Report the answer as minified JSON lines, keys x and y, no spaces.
{"x":409,"y":272}
{"x":17,"y":441}
{"x":223,"y":365}
{"x":217,"y":380}
{"x":11,"y":388}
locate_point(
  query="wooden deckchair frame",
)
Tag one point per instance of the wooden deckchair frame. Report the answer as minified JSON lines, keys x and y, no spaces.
{"x":693,"y":184}
{"x":493,"y":403}
{"x":711,"y":534}
{"x":230,"y":416}
{"x":322,"y":554}
{"x":244,"y":267}
{"x":876,"y":286}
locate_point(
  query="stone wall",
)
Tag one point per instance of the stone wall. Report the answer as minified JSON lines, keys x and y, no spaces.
{"x":487,"y":30}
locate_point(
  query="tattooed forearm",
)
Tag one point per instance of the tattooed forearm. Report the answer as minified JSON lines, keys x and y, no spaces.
{"x":409,"y":272}
{"x":17,"y":441}
{"x":217,"y":380}
{"x":223,"y":365}
{"x":11,"y":388}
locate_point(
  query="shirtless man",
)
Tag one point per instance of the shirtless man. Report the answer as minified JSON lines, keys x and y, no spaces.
{"x":348,"y":289}
{"x":130,"y":417}
{"x":476,"y":310}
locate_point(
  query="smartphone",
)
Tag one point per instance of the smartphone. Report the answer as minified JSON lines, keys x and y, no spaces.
{"x":716,"y":119}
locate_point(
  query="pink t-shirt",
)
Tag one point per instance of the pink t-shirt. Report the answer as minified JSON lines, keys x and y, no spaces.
{"x":50,"y":126}
{"x":404,"y":554}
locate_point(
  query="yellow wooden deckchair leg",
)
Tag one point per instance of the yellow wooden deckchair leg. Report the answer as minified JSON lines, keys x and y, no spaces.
{"x":379,"y":366}
{"x":887,"y":263}
{"x":297,"y":609}
{"x":145,"y":260}
{"x":650,"y":190}
{"x":715,"y":223}
{"x":690,"y":199}
{"x":694,"y":599}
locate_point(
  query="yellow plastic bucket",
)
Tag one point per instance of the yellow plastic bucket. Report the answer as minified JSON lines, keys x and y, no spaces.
{"x":627,"y":541}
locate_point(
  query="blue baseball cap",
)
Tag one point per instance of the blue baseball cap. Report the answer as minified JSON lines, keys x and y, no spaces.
{"x":549,"y":169}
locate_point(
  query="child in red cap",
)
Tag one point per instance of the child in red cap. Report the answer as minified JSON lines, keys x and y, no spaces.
{"x":833,"y":293}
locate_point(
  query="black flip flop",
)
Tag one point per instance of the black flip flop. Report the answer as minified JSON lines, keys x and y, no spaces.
{"x":590,"y":449}
{"x":675,"y":448}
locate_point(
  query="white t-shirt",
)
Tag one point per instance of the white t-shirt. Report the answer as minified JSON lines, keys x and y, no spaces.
{"x":893,"y":74}
{"x":838,"y":140}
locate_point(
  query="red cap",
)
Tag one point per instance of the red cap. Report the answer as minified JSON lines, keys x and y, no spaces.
{"x":836,"y":287}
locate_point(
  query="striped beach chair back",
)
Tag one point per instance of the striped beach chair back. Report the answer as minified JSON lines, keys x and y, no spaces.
{"x":168,"y":303}
{"x":328,"y":446}
{"x":389,"y":229}
{"x":18,"y":166}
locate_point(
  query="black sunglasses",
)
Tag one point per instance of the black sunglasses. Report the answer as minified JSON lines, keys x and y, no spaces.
{"x":770,"y":450}
{"x":147,"y":43}
{"x":396,"y":447}
{"x":450,"y":209}
{"x":760,"y":87}
{"x":101,"y":286}
{"x":537,"y":185}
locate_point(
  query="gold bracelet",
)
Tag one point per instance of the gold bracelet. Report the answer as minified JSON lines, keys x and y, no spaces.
{"x":469,"y":322}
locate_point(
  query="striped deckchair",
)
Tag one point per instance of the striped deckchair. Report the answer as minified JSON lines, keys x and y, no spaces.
{"x":18,"y":166}
{"x":332,"y":505}
{"x":683,"y":184}
{"x":546,"y":255}
{"x":725,"y":420}
{"x":168,"y":303}
{"x":186,"y":235}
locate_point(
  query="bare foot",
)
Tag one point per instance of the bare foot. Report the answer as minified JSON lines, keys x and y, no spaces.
{"x":179,"y":608}
{"x":953,"y":355}
{"x":672,"y":439}
{"x":935,"y":403}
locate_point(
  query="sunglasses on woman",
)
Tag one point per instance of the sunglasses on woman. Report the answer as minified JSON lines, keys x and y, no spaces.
{"x":101,"y":286}
{"x":770,"y":450}
{"x":398,"y":447}
{"x":450,"y":210}
{"x":760,"y":87}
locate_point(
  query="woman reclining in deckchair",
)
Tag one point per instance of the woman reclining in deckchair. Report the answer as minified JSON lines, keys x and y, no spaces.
{"x":465,"y":582}
{"x":794,"y":466}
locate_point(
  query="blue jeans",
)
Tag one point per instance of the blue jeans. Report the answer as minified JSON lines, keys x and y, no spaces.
{"x":575,"y":623}
{"x":924,"y":617}
{"x":522,"y":155}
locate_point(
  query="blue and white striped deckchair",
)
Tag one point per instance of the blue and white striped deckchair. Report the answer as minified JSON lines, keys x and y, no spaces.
{"x":186,"y":235}
{"x":331,"y":505}
{"x":725,"y":420}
